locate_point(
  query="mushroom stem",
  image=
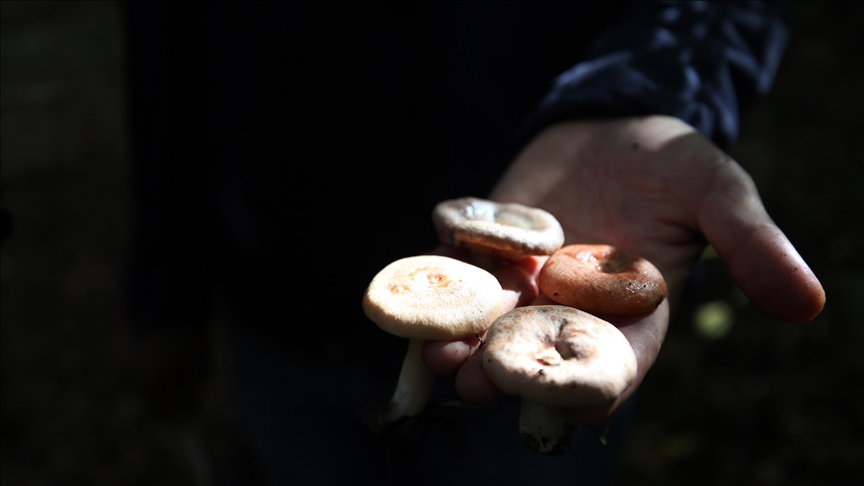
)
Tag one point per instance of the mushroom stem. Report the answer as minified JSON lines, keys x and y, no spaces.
{"x":427,"y":297}
{"x":543,"y":428}
{"x":585,"y":362}
{"x":414,"y":386}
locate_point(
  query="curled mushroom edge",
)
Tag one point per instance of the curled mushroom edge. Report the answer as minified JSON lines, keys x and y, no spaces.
{"x":504,"y":231}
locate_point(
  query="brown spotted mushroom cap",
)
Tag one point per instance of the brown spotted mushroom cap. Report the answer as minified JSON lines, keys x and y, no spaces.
{"x":558,"y":355}
{"x":433,"y":297}
{"x":603,"y":279}
{"x":504,"y":230}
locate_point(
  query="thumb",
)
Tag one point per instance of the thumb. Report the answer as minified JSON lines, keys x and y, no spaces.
{"x":762,"y":261}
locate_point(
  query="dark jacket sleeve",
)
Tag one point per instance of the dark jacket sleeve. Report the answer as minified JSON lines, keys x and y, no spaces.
{"x":697,"y":61}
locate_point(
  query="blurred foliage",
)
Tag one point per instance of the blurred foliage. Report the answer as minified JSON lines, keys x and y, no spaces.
{"x":713,"y":320}
{"x":762,"y":402}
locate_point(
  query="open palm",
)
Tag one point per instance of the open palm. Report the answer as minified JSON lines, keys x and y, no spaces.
{"x":655,"y":187}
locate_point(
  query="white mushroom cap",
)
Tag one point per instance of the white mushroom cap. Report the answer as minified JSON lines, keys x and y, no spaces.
{"x":558,"y":355}
{"x":504,"y":230}
{"x":433,"y":297}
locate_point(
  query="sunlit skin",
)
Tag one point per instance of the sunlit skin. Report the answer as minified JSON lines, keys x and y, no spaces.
{"x":655,"y":187}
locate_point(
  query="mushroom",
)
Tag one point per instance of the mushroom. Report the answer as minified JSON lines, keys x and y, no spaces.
{"x":506,"y":231}
{"x":428,"y":297}
{"x":602,"y":278}
{"x":556,"y":356}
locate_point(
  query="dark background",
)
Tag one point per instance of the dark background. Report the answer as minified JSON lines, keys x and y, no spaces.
{"x":735,"y":397}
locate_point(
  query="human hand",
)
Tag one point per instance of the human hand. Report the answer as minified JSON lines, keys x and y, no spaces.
{"x":655,"y":187}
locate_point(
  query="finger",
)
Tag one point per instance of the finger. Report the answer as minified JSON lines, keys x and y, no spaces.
{"x":519,"y":281}
{"x":445,"y":357}
{"x":762,"y":261}
{"x":472,"y":383}
{"x":645,"y":333}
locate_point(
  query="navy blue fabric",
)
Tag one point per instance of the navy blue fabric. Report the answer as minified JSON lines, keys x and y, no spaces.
{"x":698,"y":61}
